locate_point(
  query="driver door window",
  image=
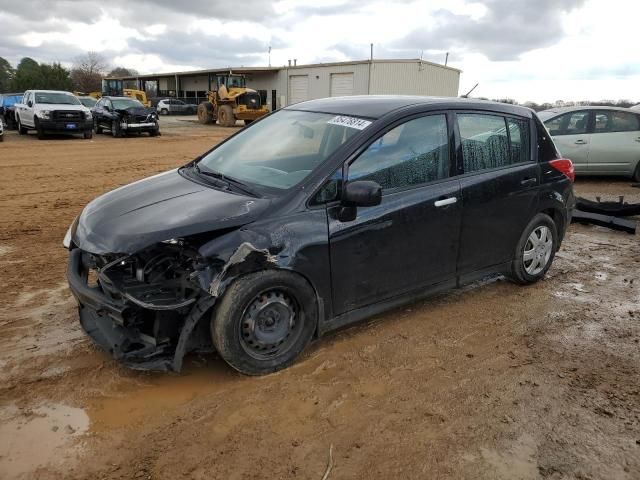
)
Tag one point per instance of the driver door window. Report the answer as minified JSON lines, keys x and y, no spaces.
{"x":413,"y":153}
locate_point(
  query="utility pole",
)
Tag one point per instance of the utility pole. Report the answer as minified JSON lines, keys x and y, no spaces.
{"x":446,"y":59}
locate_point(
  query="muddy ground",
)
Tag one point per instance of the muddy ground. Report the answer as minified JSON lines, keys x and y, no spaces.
{"x":493,"y":381}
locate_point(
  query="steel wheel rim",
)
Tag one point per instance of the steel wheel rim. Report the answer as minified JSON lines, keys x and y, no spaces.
{"x":537,"y":250}
{"x":270,"y":324}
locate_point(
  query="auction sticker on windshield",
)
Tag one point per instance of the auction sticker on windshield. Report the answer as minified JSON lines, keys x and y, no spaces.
{"x":351,"y":122}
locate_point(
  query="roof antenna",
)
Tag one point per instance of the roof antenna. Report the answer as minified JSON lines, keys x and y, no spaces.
{"x":466,"y":95}
{"x":446,"y":59}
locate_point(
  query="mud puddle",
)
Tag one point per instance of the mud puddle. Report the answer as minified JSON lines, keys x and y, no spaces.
{"x":47,"y":435}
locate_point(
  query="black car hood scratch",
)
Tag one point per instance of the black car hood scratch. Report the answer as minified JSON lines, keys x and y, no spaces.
{"x":159,"y":208}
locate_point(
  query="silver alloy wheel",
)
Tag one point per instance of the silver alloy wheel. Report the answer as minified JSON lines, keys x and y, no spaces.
{"x":537,"y":250}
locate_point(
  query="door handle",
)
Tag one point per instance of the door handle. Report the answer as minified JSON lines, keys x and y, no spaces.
{"x":529,"y":181}
{"x":581,"y":142}
{"x":445,"y":201}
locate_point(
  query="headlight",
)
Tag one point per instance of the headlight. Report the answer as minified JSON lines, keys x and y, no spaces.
{"x":46,"y":114}
{"x":88,"y":115}
{"x":66,"y":242}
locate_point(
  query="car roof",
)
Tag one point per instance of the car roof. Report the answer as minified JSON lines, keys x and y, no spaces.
{"x":376,"y":106}
{"x":112,"y":97}
{"x":51,"y":91}
{"x":559,"y":110}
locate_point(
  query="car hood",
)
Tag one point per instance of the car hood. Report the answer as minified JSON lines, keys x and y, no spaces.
{"x":135,"y":111}
{"x":60,"y":106}
{"x":159,"y":208}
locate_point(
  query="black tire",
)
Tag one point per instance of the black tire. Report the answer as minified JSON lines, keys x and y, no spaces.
{"x":164,"y":111}
{"x":248,"y":122}
{"x":239,"y":337}
{"x":39,"y":129}
{"x":115,"y":129}
{"x":205,"y":113}
{"x":96,"y":126}
{"x":21,"y":130}
{"x":88,"y":134}
{"x":1,"y":137}
{"x":521,"y":268}
{"x":636,"y":174}
{"x":154,"y":133}
{"x":225,"y":116}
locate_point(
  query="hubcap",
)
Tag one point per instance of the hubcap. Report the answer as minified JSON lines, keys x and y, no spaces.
{"x":538,"y":249}
{"x":270,"y":325}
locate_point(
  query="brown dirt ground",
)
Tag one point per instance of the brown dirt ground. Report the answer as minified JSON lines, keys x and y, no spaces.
{"x":493,"y":381}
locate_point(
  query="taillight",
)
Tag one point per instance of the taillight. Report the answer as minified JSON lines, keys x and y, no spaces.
{"x":565,"y":166}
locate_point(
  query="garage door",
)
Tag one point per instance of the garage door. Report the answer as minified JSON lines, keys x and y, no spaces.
{"x":341,"y":84}
{"x":298,"y":88}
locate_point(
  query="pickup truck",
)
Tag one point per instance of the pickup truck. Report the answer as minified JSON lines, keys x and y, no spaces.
{"x":51,"y":111}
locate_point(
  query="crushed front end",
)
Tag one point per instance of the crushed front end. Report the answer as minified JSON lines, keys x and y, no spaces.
{"x":145,"y":308}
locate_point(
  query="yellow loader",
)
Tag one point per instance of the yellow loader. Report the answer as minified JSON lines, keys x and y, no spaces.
{"x":231,"y":101}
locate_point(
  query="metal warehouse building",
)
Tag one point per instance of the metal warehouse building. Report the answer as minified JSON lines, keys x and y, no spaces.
{"x":282,"y":86}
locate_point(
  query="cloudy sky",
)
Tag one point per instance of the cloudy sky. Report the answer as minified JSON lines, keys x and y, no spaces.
{"x":540,"y":50}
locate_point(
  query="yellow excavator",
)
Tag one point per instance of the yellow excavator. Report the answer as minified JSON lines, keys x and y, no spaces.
{"x":231,"y":101}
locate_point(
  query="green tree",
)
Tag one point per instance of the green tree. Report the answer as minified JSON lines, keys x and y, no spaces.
{"x":6,"y":75}
{"x":28,"y":75}
{"x":55,"y":77}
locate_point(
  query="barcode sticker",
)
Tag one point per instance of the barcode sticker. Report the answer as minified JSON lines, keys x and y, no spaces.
{"x":351,"y":122}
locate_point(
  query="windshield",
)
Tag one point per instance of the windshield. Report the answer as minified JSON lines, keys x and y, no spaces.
{"x":56,"y":98}
{"x":283,"y":149}
{"x":88,"y":102}
{"x":124,"y":103}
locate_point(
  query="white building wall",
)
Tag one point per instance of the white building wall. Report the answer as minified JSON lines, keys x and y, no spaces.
{"x":413,"y":78}
{"x":194,"y":84}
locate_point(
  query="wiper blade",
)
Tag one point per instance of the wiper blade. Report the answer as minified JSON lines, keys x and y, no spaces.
{"x":228,"y":181}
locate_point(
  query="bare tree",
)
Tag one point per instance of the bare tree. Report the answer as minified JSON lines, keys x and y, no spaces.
{"x":88,"y":72}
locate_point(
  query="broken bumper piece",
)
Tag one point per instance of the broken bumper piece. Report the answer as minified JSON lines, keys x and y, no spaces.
{"x":138,"y":337}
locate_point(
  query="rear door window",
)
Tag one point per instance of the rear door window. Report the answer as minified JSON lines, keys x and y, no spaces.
{"x":492,"y":141}
{"x":411,"y":154}
{"x":573,"y":123}
{"x":615,"y":121}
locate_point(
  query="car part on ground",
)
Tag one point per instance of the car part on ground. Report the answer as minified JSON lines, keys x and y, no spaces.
{"x":615,"y":209}
{"x":607,"y":221}
{"x":252,"y":251}
{"x":230,"y":102}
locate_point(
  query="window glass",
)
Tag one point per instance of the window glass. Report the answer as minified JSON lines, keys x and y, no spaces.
{"x":485,"y":143}
{"x":614,"y":121}
{"x":519,"y":136}
{"x":574,"y":123}
{"x":413,"y":153}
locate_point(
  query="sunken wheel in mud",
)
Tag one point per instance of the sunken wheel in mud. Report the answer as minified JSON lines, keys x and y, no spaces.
{"x":205,"y":113}
{"x":225,"y":116}
{"x":535,"y":250}
{"x":264,"y":321}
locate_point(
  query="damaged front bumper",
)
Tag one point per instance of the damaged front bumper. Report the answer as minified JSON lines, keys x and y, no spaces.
{"x":141,"y":336}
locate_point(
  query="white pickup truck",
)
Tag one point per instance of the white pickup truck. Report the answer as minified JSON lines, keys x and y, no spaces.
{"x":51,"y":111}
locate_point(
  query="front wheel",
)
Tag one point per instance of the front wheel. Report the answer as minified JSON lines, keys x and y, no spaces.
{"x":115,"y":128}
{"x":636,"y":174}
{"x":21,"y":129}
{"x":264,"y":321}
{"x":535,"y":250}
{"x":164,"y":111}
{"x":96,"y":126}
{"x":39,"y":129}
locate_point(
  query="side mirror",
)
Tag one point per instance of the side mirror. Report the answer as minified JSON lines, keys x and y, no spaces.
{"x":30,"y":103}
{"x":362,"y":193}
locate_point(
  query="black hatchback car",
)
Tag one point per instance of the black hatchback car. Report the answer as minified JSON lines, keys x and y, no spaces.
{"x":314,"y":217}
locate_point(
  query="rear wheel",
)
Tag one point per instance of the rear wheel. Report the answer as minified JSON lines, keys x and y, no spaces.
{"x":205,"y":113}
{"x":225,"y":116}
{"x":535,"y":250}
{"x":264,"y":321}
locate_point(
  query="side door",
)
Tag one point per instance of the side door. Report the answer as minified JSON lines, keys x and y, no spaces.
{"x":570,"y":132}
{"x":26,"y":115}
{"x":410,"y":240}
{"x":615,"y":142}
{"x":499,"y":183}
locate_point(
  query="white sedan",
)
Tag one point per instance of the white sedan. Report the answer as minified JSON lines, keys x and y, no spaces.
{"x":599,"y":140}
